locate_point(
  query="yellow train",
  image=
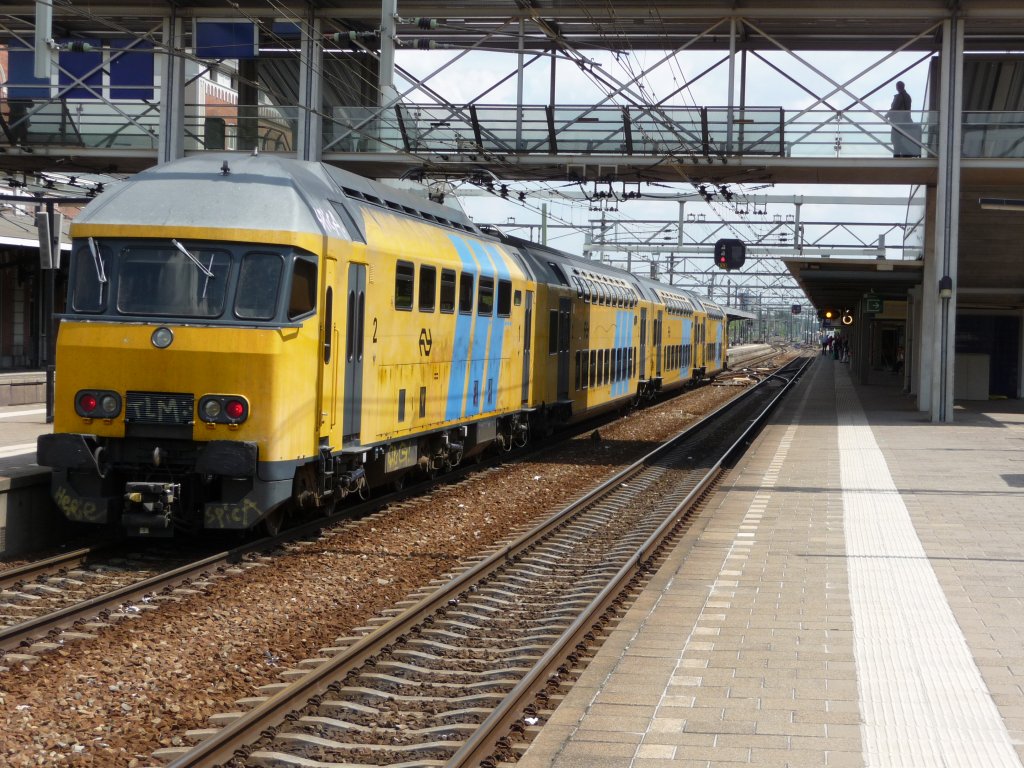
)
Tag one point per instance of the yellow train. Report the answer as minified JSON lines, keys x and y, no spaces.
{"x":250,"y":335}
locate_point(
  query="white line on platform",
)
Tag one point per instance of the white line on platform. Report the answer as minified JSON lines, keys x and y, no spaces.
{"x":17,"y":450}
{"x":17,"y":414}
{"x":922,"y":697}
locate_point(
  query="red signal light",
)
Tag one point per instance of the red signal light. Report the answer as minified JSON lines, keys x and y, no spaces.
{"x":87,"y":403}
{"x":234,"y":409}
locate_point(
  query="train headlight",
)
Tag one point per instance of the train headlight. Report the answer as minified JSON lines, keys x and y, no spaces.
{"x":110,"y":405}
{"x":162,"y":337}
{"x":212,"y":409}
{"x":223,"y":409}
{"x":97,"y":404}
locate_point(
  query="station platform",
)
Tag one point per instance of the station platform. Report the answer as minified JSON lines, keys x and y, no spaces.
{"x":854,"y":597}
{"x":28,"y":518}
{"x":22,"y":387}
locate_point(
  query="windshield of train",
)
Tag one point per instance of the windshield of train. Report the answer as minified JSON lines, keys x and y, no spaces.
{"x":185,"y":279}
{"x":169,"y":281}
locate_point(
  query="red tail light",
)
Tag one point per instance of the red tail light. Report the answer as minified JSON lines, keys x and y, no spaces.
{"x":97,"y":404}
{"x":223,"y":409}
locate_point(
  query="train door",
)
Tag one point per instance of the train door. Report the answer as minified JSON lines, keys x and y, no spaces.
{"x":564,"y":328}
{"x":329,"y":358}
{"x":643,"y":343}
{"x":355,"y":315}
{"x":657,"y":344}
{"x":699,"y":328}
{"x":527,"y":346}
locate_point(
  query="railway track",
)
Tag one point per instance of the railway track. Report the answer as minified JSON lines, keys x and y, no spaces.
{"x":70,"y":597}
{"x":446,"y":678}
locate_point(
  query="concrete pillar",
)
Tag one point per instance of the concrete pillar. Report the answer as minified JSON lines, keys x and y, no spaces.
{"x":309,"y":134}
{"x":386,"y":80}
{"x":940,"y":311}
{"x":171,"y":141}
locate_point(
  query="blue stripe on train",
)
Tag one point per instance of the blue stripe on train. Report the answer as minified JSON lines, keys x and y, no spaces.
{"x":501,"y":324}
{"x":620,"y":384}
{"x":481,"y":336}
{"x":460,"y":344}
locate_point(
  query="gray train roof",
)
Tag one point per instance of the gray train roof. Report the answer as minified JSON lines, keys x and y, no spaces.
{"x":541,"y":256}
{"x":262,"y":192}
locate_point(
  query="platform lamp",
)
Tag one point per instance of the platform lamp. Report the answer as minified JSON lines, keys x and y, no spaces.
{"x":945,"y":287}
{"x":1000,"y":204}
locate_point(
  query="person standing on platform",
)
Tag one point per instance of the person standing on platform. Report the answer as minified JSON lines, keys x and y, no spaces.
{"x":901,"y":133}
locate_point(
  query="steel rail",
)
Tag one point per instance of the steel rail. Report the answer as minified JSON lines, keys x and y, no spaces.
{"x":482,"y":744}
{"x":232,"y":741}
{"x":18,"y":635}
{"x":49,"y":566}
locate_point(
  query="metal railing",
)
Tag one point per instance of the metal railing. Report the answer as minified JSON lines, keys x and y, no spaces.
{"x":499,"y":130}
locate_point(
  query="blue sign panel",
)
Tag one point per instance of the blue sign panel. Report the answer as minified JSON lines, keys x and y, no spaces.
{"x":131,"y":69}
{"x":21,"y":81}
{"x":226,"y":39}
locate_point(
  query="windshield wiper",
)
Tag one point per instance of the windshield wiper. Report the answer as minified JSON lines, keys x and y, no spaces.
{"x":97,"y":260}
{"x":195,"y":261}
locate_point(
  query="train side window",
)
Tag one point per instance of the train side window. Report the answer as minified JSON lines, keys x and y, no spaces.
{"x":504,"y":298}
{"x":607,"y":365}
{"x":350,"y":326}
{"x":557,"y":270}
{"x":302,"y":299}
{"x":405,"y":276}
{"x":361,"y":315}
{"x":593,"y":368}
{"x":553,"y":332}
{"x":428,"y":288}
{"x":447,"y":291}
{"x":485,"y":297}
{"x":581,"y":365}
{"x":328,"y":324}
{"x":466,"y":293}
{"x":88,"y":293}
{"x":518,"y":298}
{"x":259,"y":280}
